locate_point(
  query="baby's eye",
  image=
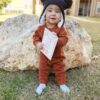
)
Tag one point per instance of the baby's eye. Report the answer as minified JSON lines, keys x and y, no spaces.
{"x":49,"y":10}
{"x":58,"y":11}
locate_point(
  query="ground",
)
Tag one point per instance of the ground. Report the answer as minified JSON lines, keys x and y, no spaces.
{"x":84,"y":82}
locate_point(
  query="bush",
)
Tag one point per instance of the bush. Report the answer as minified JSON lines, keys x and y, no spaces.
{"x":4,"y":3}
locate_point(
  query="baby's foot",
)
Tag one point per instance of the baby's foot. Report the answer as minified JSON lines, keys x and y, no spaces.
{"x":64,"y":88}
{"x":40,"y":88}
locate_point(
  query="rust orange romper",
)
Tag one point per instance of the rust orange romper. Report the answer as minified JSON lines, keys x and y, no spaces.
{"x":57,"y":59}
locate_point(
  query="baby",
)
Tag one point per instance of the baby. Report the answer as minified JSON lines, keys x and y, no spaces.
{"x":53,"y":19}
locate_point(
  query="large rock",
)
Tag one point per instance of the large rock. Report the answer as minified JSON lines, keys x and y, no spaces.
{"x":18,"y":53}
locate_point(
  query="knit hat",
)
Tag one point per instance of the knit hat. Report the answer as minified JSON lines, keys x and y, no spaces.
{"x":62,"y":4}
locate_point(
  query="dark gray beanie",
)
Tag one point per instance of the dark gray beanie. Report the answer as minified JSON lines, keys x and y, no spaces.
{"x":63,"y":5}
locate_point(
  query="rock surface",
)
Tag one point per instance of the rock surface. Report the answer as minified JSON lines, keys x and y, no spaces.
{"x":18,"y":53}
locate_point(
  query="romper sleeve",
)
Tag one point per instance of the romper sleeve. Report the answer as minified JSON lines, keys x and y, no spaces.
{"x":37,"y":37}
{"x":62,"y":37}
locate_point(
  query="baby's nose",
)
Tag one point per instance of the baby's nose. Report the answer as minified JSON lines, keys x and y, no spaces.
{"x":53,"y":13}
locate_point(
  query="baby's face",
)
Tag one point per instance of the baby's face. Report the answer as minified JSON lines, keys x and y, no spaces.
{"x":53,"y":14}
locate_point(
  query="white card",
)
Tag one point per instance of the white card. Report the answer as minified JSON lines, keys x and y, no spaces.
{"x":49,"y":42}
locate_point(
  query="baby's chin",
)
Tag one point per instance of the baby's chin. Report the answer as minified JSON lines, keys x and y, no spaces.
{"x":54,"y":22}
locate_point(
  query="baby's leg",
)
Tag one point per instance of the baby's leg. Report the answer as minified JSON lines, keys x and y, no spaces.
{"x":60,"y":76}
{"x":44,"y":69}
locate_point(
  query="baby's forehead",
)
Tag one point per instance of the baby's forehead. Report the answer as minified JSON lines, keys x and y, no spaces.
{"x":53,"y":6}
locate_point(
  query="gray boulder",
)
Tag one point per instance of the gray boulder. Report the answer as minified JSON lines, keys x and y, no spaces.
{"x":17,"y":51}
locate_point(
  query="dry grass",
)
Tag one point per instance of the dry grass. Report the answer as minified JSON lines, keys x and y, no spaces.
{"x":93,"y":18}
{"x":84,"y":82}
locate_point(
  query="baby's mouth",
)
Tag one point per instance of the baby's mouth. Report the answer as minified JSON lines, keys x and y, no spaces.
{"x":52,"y":18}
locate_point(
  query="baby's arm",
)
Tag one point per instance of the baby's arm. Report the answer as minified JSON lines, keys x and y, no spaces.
{"x":37,"y":39}
{"x":62,"y":38}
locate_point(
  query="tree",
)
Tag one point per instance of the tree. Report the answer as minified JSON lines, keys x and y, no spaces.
{"x":4,"y":3}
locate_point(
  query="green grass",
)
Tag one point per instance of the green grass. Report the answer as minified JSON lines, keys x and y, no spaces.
{"x":84,"y":82}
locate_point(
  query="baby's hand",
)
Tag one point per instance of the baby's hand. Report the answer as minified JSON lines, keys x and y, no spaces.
{"x":54,"y":33}
{"x":39,"y":46}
